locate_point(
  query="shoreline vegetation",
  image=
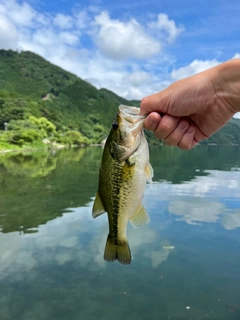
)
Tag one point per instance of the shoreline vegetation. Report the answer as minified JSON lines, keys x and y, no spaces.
{"x":44,"y":106}
{"x":54,"y":146}
{"x":38,"y":133}
{"x":31,"y":149}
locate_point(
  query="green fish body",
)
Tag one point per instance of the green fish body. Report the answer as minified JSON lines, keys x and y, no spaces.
{"x":124,"y":170}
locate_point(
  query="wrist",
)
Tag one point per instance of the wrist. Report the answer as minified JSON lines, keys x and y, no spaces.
{"x":227,"y":83}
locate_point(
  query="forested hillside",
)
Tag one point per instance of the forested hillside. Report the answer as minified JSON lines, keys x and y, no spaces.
{"x":32,"y":86}
{"x":40,"y":100}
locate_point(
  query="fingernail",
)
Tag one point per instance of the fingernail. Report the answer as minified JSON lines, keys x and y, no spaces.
{"x":153,"y":121}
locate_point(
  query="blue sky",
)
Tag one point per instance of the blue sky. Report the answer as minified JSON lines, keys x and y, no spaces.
{"x":132,"y":48}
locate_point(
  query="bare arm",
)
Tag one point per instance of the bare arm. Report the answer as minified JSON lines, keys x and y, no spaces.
{"x":194,"y":108}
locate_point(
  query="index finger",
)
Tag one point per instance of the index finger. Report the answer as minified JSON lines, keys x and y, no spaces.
{"x":155,"y":102}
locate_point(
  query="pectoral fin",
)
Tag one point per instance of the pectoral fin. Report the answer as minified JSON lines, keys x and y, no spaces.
{"x":149,"y":172}
{"x":98,"y":207}
{"x":140,"y":218}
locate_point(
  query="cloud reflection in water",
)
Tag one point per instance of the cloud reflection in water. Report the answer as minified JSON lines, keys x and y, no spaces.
{"x":76,"y":237}
{"x":205,"y":199}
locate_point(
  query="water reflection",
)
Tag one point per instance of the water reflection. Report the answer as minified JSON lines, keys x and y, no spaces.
{"x":177,"y":166}
{"x":51,"y":250}
{"x":213,"y":198}
{"x":38,"y":187}
{"x":73,"y":237}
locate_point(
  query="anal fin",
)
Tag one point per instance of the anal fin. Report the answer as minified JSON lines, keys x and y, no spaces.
{"x":140,"y":218}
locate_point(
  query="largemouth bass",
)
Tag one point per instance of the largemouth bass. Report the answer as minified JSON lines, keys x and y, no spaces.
{"x":123,"y":173}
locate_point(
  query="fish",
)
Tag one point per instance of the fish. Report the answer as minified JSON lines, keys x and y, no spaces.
{"x":123,"y":174}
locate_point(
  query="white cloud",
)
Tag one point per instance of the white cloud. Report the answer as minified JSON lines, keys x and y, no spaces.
{"x":82,"y":19}
{"x":123,"y":56}
{"x":237,"y":115}
{"x":194,"y":67}
{"x":167,"y":26}
{"x":20,"y":14}
{"x":40,"y":34}
{"x":69,"y":38}
{"x":198,"y":66}
{"x":8,"y":34}
{"x":120,"y":40}
{"x":63,"y":21}
{"x":139,"y":78}
{"x":133,"y":93}
{"x":236,"y":56}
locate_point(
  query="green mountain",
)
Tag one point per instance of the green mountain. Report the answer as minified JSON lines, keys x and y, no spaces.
{"x":32,"y":86}
{"x":35,"y":86}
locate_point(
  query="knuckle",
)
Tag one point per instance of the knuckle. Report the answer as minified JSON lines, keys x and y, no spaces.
{"x":144,"y":101}
{"x":144,"y":104}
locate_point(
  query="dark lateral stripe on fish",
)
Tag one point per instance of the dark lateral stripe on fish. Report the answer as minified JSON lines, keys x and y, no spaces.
{"x":116,"y":184}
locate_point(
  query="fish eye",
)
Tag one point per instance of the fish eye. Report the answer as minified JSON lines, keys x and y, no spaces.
{"x":115,"y":125}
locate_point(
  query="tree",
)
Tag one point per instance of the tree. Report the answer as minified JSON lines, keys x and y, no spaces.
{"x":44,"y":125}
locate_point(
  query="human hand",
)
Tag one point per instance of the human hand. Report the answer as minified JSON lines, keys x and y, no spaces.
{"x":192,"y":109}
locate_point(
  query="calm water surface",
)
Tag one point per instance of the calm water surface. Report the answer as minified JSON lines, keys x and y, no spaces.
{"x":186,"y":262}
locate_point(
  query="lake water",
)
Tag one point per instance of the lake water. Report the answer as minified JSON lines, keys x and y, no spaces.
{"x":186,"y":262}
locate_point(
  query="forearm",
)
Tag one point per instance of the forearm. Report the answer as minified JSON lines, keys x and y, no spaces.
{"x":226,"y":80}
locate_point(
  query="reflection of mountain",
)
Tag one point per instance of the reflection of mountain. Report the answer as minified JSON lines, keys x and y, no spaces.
{"x":175,"y":165}
{"x":38,"y":164}
{"x":37,"y":188}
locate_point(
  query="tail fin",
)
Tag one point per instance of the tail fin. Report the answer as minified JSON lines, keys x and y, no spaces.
{"x":120,"y":252}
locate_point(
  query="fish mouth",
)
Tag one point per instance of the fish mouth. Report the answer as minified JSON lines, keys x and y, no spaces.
{"x":130,"y":129}
{"x":131,"y":114}
{"x":131,"y":119}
